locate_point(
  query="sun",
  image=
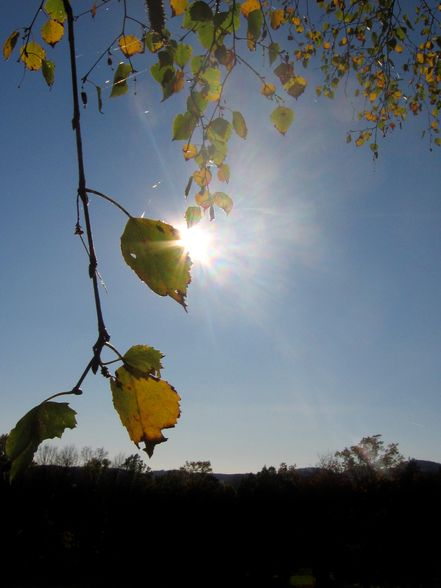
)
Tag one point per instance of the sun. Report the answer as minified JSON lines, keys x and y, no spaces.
{"x":198,"y":242}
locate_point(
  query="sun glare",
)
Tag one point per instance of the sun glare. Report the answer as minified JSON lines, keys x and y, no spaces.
{"x":198,"y":242}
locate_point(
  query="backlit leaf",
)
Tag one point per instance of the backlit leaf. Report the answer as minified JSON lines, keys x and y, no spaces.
{"x":189,"y":151}
{"x":197,"y":103}
{"x":203,"y":199}
{"x":145,"y":407}
{"x":249,"y":6}
{"x":223,"y":201}
{"x":273,"y":52}
{"x":154,"y":41}
{"x":282,"y":118}
{"x":295,"y":86}
{"x":55,"y":9}
{"x":284,"y":71}
{"x":277,"y":17}
{"x":120,"y":86}
{"x":51,"y":32}
{"x":223,"y":173}
{"x":48,"y":70}
{"x":206,"y":34}
{"x":219,"y":129}
{"x":152,"y":249}
{"x":202,"y":177}
{"x":268,"y":89}
{"x":255,"y":22}
{"x":45,"y":421}
{"x":178,"y":6}
{"x":193,"y":215}
{"x":200,"y":12}
{"x":9,"y":44}
{"x":212,"y":77}
{"x":183,"y":126}
{"x":183,"y":54}
{"x":239,"y":125}
{"x":144,"y":361}
{"x":32,"y":55}
{"x":130,"y":45}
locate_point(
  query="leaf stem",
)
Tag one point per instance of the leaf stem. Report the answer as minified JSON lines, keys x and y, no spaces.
{"x":117,"y":204}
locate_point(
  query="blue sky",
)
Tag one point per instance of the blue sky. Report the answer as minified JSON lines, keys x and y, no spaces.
{"x":317,"y":322}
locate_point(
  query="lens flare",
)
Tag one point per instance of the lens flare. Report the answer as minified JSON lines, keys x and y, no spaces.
{"x":198,"y":243}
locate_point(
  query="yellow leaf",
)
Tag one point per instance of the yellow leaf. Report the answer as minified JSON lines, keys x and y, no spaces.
{"x":189,"y":151}
{"x":295,"y":86}
{"x":130,"y":45}
{"x":373,"y":96}
{"x":202,"y":177}
{"x":145,"y":407}
{"x":343,"y":42}
{"x":203,"y":198}
{"x":223,"y":173}
{"x":9,"y":45}
{"x":420,"y":57}
{"x":178,"y":6}
{"x":277,"y":17}
{"x":32,"y":55}
{"x":52,"y":31}
{"x":326,"y":45}
{"x":249,"y":6}
{"x":398,"y":48}
{"x":268,"y":90}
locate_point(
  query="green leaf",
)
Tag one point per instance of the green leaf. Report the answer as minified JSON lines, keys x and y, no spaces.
{"x":282,"y":118}
{"x":158,"y":72}
{"x":48,"y":69}
{"x":153,"y":250}
{"x":197,"y":63}
{"x":197,"y":103}
{"x":183,"y":54}
{"x":193,"y":215}
{"x":239,"y":125}
{"x":223,"y":201}
{"x":143,"y":360}
{"x":200,"y":12}
{"x":255,"y":21}
{"x":206,"y":34}
{"x":219,"y":129}
{"x":217,"y":151}
{"x":183,"y":126}
{"x":212,"y":78}
{"x":273,"y":52}
{"x":145,"y":407}
{"x":55,"y":9}
{"x":154,"y":41}
{"x":120,"y":86}
{"x":9,"y":44}
{"x":45,"y":421}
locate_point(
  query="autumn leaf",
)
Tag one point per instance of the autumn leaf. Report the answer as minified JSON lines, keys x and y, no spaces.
{"x":223,"y":173}
{"x":143,"y":361}
{"x":130,"y":45}
{"x":277,"y":17}
{"x":154,"y":41}
{"x":51,"y":32}
{"x":48,"y":70}
{"x":295,"y":86}
{"x":204,"y":199}
{"x":193,"y":215}
{"x":45,"y":421}
{"x":223,"y":201}
{"x":32,"y":55}
{"x":145,"y":407}
{"x":239,"y":125}
{"x":249,"y":6}
{"x":178,"y":6}
{"x":282,"y":118}
{"x":202,"y":177}
{"x":219,"y":129}
{"x":212,"y":77}
{"x":268,"y":89}
{"x":183,"y":126}
{"x":284,"y":71}
{"x":120,"y":86}
{"x":189,"y":151}
{"x":9,"y":44}
{"x":153,"y":250}
{"x":273,"y":52}
{"x":55,"y":10}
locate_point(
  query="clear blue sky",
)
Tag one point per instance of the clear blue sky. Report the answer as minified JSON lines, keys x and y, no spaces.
{"x":318,"y":320}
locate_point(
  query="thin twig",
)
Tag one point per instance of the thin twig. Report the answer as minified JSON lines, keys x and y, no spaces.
{"x":117,"y":204}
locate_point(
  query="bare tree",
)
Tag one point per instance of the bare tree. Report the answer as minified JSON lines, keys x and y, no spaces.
{"x":47,"y":454}
{"x":68,"y":456}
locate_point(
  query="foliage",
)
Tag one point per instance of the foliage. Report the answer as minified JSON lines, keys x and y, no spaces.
{"x":197,"y":467}
{"x":385,"y":54}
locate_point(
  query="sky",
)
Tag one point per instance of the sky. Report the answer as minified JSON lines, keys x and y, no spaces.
{"x":317,"y":320}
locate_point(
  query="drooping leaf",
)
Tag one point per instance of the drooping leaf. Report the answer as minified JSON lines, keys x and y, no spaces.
{"x":48,"y":69}
{"x":249,"y":6}
{"x":32,"y":55}
{"x":143,"y":361}
{"x":219,"y":129}
{"x":154,"y":41}
{"x":178,"y":6}
{"x":202,"y":177}
{"x":183,"y":126}
{"x":9,"y":44}
{"x":255,"y":22}
{"x":183,"y":54}
{"x":223,"y":173}
{"x":130,"y":45}
{"x":284,"y":71}
{"x":223,"y":201}
{"x":196,"y":64}
{"x":282,"y":118}
{"x":197,"y":103}
{"x":189,"y":151}
{"x":203,"y":199}
{"x":145,"y":407}
{"x":239,"y":125}
{"x":217,"y":151}
{"x":277,"y":18}
{"x":200,"y":12}
{"x":193,"y":215}
{"x":52,"y":31}
{"x":99,"y":98}
{"x":154,"y":252}
{"x":55,"y":9}
{"x":45,"y":421}
{"x":295,"y":86}
{"x":268,"y":89}
{"x":212,"y":78}
{"x":120,"y":86}
{"x":206,"y":34}
{"x":273,"y":52}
